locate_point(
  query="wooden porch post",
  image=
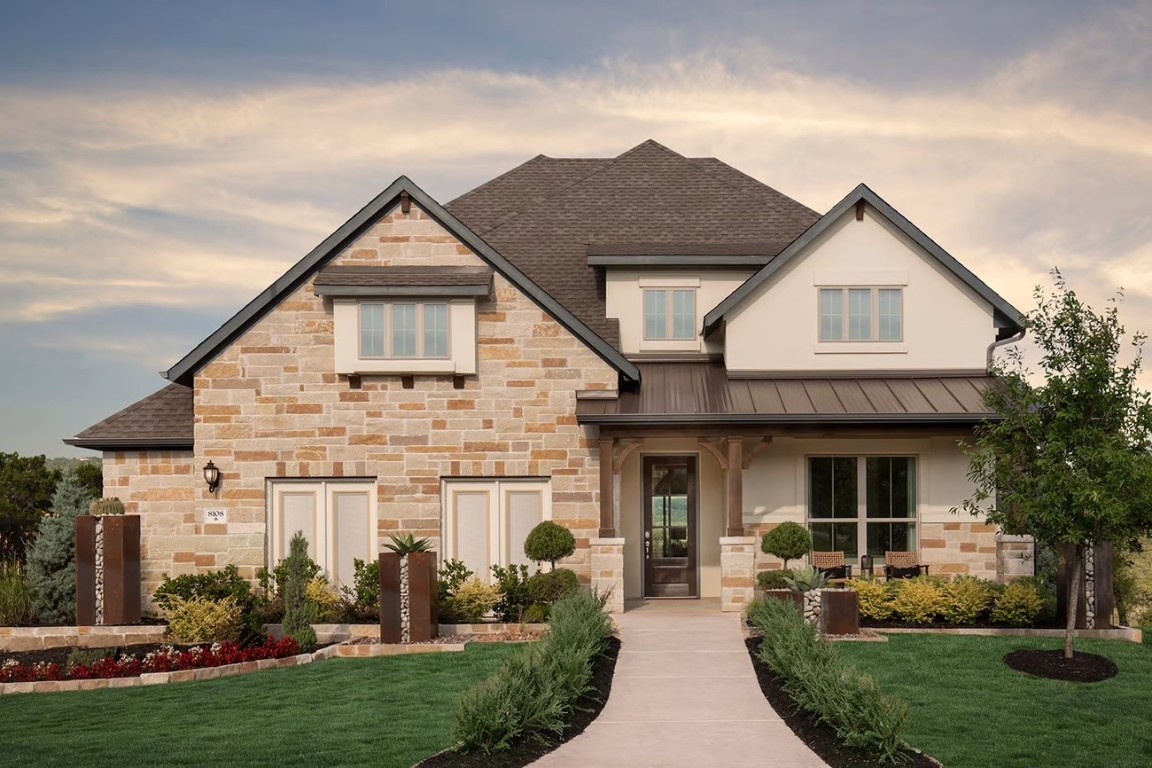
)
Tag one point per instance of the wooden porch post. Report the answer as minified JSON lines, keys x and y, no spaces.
{"x":735,"y":486}
{"x":607,"y":513}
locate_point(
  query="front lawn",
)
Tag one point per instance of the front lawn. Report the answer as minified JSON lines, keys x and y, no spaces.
{"x":388,"y":711}
{"x":969,"y":709}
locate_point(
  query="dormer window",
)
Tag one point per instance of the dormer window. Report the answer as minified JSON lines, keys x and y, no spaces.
{"x":669,"y":313}
{"x":861,"y":314}
{"x":403,"y":330}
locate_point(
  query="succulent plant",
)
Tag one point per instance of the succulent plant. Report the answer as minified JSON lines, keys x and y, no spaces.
{"x":806,"y":579}
{"x":103,"y":507}
{"x":407,"y":544}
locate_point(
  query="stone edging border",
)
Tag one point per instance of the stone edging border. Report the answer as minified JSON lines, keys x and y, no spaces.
{"x":1127,"y":634}
{"x":372,"y":650}
{"x":20,"y":639}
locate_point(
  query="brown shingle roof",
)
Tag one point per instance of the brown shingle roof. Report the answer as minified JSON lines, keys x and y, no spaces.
{"x":164,"y":419}
{"x":542,"y":215}
{"x":679,"y":393}
{"x":345,"y":280}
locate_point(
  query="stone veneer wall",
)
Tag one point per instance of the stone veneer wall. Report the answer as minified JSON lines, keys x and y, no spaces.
{"x":270,"y":406}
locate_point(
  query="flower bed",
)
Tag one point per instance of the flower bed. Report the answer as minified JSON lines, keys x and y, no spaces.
{"x":166,"y":659}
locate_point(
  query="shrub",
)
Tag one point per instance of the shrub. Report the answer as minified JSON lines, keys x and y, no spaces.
{"x":513,"y":584}
{"x":324,"y":599}
{"x":966,"y":598}
{"x":919,"y":600}
{"x":52,"y":558}
{"x":83,"y":657}
{"x":549,"y":542}
{"x":1019,"y":605}
{"x":820,"y":682}
{"x":471,"y":601}
{"x":361,"y":601}
{"x":874,"y":598}
{"x":787,"y":541}
{"x":547,"y":588}
{"x":533,"y":692}
{"x":15,"y":599}
{"x":299,"y":613}
{"x":214,"y":585}
{"x":773,"y":579}
{"x":201,"y":619}
{"x":806,"y":579}
{"x":407,"y":544}
{"x":451,"y":575}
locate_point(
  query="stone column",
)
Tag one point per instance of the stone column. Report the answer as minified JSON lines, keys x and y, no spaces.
{"x":1015,"y":557}
{"x":737,"y":571}
{"x":608,"y":571}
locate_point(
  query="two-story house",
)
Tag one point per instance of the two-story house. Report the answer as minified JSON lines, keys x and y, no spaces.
{"x":659,"y":352}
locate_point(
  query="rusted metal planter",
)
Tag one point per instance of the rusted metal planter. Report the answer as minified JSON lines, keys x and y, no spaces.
{"x":119,"y":595}
{"x":787,"y":595}
{"x":840,"y":612}
{"x":421,"y":598}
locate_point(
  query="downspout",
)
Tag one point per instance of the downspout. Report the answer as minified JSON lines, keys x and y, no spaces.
{"x":1002,"y":343}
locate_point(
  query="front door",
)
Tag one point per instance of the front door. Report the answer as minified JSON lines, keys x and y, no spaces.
{"x":670,"y":526}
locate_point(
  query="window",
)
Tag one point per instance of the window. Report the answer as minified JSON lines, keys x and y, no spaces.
{"x":869,"y":500}
{"x":486,"y":522}
{"x":861,"y":314}
{"x":669,"y":313}
{"x":337,"y":517}
{"x":403,"y":330}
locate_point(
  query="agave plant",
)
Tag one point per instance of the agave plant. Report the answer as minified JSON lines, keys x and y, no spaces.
{"x":404,"y":545}
{"x":806,"y":579}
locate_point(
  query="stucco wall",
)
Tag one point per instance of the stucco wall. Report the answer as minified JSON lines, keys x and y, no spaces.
{"x":270,"y":406}
{"x":945,"y":324}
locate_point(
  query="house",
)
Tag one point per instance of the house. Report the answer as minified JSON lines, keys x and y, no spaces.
{"x":659,"y":352}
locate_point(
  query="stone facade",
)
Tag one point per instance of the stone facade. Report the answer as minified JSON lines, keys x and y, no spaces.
{"x":1015,"y":557}
{"x":959,"y":548}
{"x":270,"y":406}
{"x":737,"y":572}
{"x":607,"y":563}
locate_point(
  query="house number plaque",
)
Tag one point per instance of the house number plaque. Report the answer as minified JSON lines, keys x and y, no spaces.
{"x":215,"y":516}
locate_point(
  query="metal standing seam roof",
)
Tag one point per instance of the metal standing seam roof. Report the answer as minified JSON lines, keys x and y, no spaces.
{"x":680,"y":393}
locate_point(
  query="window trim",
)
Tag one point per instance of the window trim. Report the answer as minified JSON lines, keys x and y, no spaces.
{"x":669,"y":292}
{"x":845,"y":313}
{"x":862,"y":518}
{"x":496,"y":489}
{"x":322,"y":540}
{"x":388,"y":326}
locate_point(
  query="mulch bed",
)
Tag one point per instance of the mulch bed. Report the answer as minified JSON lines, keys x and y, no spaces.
{"x":1081,"y":668}
{"x":818,"y":736}
{"x":587,"y":709}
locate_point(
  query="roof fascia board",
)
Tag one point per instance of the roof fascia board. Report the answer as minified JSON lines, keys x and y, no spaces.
{"x":678,"y":261}
{"x":131,"y":443}
{"x":1004,"y":314}
{"x":183,"y":370}
{"x":677,"y":419}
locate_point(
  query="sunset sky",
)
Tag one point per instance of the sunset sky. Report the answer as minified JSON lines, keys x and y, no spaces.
{"x":162,"y":163}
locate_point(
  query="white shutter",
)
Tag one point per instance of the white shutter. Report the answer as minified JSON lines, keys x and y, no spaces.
{"x":351,"y":535}
{"x":523,"y":511}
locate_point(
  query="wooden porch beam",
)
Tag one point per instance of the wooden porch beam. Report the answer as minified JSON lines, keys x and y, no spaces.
{"x":759,"y":447}
{"x":735,"y":486}
{"x":607,"y":470}
{"x":626,"y":449}
{"x":712,"y":448}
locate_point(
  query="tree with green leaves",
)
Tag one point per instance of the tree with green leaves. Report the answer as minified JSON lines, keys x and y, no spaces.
{"x":26,"y":487}
{"x":1067,"y":460}
{"x":52,"y":558}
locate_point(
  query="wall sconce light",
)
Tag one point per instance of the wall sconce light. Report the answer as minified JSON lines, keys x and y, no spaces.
{"x":212,"y":476}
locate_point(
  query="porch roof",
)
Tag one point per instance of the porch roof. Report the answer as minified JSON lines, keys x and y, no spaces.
{"x":703,"y":393}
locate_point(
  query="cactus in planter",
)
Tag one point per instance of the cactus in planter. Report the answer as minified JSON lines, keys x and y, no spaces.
{"x":104,"y":507}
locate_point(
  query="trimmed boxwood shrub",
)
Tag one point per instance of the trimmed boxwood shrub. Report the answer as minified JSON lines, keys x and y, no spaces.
{"x":547,"y":588}
{"x":919,"y":600}
{"x":773,"y":579}
{"x":874,"y":598}
{"x":966,"y":599}
{"x":549,"y":542}
{"x":1020,"y":603}
{"x":787,"y":541}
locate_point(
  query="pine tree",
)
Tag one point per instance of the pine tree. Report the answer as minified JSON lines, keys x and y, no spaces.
{"x":298,"y":611}
{"x":52,"y":558}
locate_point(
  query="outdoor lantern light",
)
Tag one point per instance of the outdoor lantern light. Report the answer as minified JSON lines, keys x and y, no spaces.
{"x":212,"y":476}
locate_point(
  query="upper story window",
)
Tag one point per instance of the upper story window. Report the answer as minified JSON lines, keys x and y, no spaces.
{"x":669,"y":313}
{"x":403,"y":330}
{"x":861,"y":314}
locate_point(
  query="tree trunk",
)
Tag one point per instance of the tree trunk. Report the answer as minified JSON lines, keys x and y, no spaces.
{"x":1073,"y":600}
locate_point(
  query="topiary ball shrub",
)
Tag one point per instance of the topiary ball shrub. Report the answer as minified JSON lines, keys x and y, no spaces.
{"x":773,"y":580}
{"x":787,"y":541}
{"x":549,"y":542}
{"x":547,"y":588}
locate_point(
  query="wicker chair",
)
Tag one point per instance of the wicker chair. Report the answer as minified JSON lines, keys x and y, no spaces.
{"x":829,"y":562}
{"x":894,"y":560}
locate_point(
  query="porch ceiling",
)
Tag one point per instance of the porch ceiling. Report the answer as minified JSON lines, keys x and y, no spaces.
{"x":703,"y":393}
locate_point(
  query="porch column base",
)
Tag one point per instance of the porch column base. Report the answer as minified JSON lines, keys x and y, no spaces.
{"x":1014,"y":557}
{"x":737,"y":572}
{"x":607,"y":561}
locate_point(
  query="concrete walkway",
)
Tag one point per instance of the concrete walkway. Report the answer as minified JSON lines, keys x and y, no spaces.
{"x":684,"y":694}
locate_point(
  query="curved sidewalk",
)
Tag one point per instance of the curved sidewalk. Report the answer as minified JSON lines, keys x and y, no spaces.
{"x":684,"y":694}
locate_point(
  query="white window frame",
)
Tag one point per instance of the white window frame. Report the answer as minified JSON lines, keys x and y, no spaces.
{"x":497,"y":490}
{"x":321,"y":540}
{"x":669,"y":312}
{"x":388,"y":308}
{"x":845,"y":314}
{"x":861,"y":520}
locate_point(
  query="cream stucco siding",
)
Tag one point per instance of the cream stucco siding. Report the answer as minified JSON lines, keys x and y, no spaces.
{"x":624,"y":300}
{"x":946,"y":325}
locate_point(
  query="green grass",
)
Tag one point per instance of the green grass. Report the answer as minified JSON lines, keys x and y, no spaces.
{"x":388,"y":711}
{"x":969,"y":709}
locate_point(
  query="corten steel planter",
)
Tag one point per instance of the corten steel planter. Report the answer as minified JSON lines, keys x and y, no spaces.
{"x":1103,"y":596}
{"x":389,"y":597}
{"x":787,"y":595}
{"x":120,"y":601}
{"x":422,"y":598}
{"x":840,"y":612}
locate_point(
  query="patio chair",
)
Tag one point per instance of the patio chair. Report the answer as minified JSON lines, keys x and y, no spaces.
{"x":903,"y":565}
{"x":833,"y":565}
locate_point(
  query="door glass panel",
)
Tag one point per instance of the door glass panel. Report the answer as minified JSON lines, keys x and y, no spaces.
{"x":670,"y":512}
{"x":298,"y":513}
{"x":350,"y":528}
{"x":472,"y":531}
{"x":524,"y":510}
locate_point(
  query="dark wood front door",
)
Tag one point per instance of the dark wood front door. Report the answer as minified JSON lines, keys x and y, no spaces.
{"x":670,"y":526}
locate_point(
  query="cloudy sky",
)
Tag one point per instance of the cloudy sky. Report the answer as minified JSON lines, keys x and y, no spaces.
{"x":161,"y":163}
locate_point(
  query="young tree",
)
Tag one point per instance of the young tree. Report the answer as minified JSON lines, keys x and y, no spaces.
{"x":1067,"y":460}
{"x":26,"y":487}
{"x":52,"y":558}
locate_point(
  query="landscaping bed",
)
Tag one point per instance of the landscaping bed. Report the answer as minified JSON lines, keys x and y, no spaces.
{"x":1081,"y":668}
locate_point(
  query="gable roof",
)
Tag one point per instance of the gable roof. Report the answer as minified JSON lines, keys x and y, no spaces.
{"x":164,"y":419}
{"x":544,"y":216}
{"x":1005,"y":316}
{"x":184,"y":370}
